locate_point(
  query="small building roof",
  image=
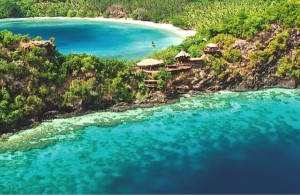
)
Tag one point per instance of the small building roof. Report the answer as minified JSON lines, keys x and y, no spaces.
{"x":150,"y":62}
{"x":182,"y":54}
{"x":212,"y":45}
{"x":196,"y":59}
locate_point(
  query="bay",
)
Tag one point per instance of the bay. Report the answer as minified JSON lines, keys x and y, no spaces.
{"x":215,"y":143}
{"x":101,"y":38}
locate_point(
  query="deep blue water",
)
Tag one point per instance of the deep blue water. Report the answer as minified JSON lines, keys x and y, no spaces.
{"x":218,"y":143}
{"x":104,"y":39}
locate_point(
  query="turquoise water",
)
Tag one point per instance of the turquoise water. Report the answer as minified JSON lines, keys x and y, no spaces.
{"x":217,"y":143}
{"x":104,"y":39}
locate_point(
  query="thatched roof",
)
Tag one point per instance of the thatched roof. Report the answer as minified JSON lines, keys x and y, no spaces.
{"x":212,"y":45}
{"x":182,"y":54}
{"x":150,"y":62}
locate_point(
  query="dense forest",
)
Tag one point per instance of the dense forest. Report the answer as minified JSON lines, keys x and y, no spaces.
{"x":35,"y":78}
{"x":181,"y":13}
{"x":259,"y":43}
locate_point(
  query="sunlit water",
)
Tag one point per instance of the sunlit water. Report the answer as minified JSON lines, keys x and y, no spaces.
{"x":218,"y":143}
{"x":104,"y":39}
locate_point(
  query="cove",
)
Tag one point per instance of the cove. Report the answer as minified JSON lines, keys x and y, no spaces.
{"x":101,"y":38}
{"x":215,"y":143}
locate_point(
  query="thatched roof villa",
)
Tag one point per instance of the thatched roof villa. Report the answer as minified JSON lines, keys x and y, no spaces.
{"x":182,"y":54}
{"x":150,"y":64}
{"x":211,"y":48}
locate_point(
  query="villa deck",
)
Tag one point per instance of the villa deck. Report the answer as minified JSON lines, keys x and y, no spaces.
{"x":178,"y":67}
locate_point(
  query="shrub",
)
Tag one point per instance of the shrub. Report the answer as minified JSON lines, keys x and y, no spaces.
{"x":233,"y":55}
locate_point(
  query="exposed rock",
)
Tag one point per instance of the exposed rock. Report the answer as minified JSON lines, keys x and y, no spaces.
{"x":51,"y":114}
{"x":120,"y":107}
{"x":244,"y":46}
{"x":158,"y":97}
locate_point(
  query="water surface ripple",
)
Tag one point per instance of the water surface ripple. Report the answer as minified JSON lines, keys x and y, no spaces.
{"x":217,"y":143}
{"x":104,"y":39}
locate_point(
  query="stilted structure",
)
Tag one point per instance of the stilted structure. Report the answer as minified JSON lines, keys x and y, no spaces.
{"x":182,"y":57}
{"x":211,"y":48}
{"x":150,"y":65}
{"x":196,"y":61}
{"x":183,"y":62}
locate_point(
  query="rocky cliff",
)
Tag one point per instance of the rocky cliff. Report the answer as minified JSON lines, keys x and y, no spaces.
{"x":269,"y":59}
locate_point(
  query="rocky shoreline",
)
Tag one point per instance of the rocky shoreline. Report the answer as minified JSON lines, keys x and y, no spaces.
{"x":119,"y":107}
{"x":269,"y":60}
{"x":157,"y":99}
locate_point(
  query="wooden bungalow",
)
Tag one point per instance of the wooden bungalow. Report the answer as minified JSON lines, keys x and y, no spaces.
{"x":196,"y":61}
{"x":183,"y":62}
{"x":150,"y":65}
{"x":211,"y":48}
{"x":182,"y":57}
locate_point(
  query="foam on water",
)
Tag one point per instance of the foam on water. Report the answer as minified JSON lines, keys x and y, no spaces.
{"x":216,"y":143}
{"x":104,"y":39}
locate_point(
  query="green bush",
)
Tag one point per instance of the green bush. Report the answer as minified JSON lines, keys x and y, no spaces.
{"x":163,"y":78}
{"x":218,"y":65}
{"x":233,"y":55}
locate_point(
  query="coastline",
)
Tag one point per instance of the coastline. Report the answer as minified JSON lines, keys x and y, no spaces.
{"x":52,"y":130}
{"x":163,"y":26}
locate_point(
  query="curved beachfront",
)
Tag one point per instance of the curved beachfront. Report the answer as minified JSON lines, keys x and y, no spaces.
{"x":163,"y":26}
{"x":218,"y":143}
{"x":106,"y":38}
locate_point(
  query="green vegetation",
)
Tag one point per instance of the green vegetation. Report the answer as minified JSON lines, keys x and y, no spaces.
{"x":154,"y":10}
{"x":290,"y":66}
{"x":224,"y":26}
{"x":233,"y":55}
{"x":162,"y":78}
{"x":199,"y":14}
{"x":37,"y":79}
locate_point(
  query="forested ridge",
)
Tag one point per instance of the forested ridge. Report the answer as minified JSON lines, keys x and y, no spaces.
{"x":181,"y":13}
{"x":259,"y":44}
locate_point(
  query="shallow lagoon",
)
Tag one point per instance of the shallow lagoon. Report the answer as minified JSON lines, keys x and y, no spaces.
{"x":104,"y":39}
{"x":217,"y":143}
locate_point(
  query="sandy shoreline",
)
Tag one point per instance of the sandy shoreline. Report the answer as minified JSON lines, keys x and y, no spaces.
{"x":168,"y":27}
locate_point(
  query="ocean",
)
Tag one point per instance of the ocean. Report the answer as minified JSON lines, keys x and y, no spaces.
{"x":103,"y":39}
{"x":226,"y":142}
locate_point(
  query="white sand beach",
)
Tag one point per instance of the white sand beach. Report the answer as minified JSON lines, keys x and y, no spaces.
{"x":168,"y":27}
{"x":164,"y":26}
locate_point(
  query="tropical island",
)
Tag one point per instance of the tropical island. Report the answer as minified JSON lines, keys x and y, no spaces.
{"x":255,"y":48}
{"x":217,"y":113}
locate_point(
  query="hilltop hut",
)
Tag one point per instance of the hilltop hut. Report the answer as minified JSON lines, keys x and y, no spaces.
{"x":150,"y":65}
{"x":211,"y":48}
{"x":182,"y":57}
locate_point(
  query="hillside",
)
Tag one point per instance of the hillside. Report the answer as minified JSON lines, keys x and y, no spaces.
{"x":255,"y":50}
{"x":269,"y":59}
{"x":35,"y":79}
{"x":182,"y":13}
